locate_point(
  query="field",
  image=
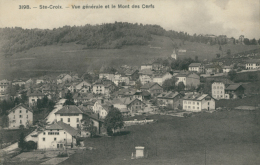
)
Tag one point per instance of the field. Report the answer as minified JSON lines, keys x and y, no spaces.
{"x":247,"y":101}
{"x":228,"y":137}
{"x":61,"y":58}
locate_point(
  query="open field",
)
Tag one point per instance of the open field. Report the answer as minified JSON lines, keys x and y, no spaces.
{"x":247,"y":101}
{"x":230,"y":137}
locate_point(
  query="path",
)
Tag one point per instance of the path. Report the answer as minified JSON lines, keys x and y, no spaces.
{"x":51,"y":117}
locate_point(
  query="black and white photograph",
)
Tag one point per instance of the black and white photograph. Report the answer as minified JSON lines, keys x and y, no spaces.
{"x":129,"y":82}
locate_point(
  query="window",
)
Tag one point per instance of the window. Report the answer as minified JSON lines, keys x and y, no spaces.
{"x":13,"y":111}
{"x":198,"y":103}
{"x":193,"y":103}
{"x":61,"y":119}
{"x":208,"y":103}
{"x":197,"y":107}
{"x":20,"y":116}
{"x":77,"y":119}
{"x":54,"y":139}
{"x":33,"y":99}
{"x":20,"y":121}
{"x":20,"y":111}
{"x":77,"y":125}
{"x":27,"y":116}
{"x":14,"y":116}
{"x":43,"y":139}
{"x":43,"y":133}
{"x":68,"y":119}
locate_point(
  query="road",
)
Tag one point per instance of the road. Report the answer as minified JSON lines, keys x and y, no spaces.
{"x":51,"y":117}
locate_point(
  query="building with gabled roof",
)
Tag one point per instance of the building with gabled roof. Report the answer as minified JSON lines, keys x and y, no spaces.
{"x":189,"y":79}
{"x":34,"y":96}
{"x":62,"y":78}
{"x":198,"y":102}
{"x":153,"y":88}
{"x":58,"y":135}
{"x":133,"y":104}
{"x":161,"y":77}
{"x":71,"y":115}
{"x":253,"y":64}
{"x":196,"y":67}
{"x":172,"y":99}
{"x":20,"y":115}
{"x":234,"y":91}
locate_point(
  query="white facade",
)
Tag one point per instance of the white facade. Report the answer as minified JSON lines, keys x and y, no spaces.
{"x":198,"y":105}
{"x":218,"y":90}
{"x":99,"y":89}
{"x":54,"y":139}
{"x":72,"y":120}
{"x":253,"y":66}
{"x":181,"y":79}
{"x":146,"y":67}
{"x":33,"y":100}
{"x":20,"y":116}
{"x":161,"y":79}
{"x":98,"y":108}
{"x":145,"y":79}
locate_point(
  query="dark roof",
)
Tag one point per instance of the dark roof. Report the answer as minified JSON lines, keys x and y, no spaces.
{"x":149,"y":85}
{"x":232,"y":87}
{"x":22,"y":105}
{"x":253,"y":61}
{"x":36,"y":93}
{"x":69,"y":109}
{"x":146,"y":93}
{"x":63,"y":126}
{"x":197,"y":97}
{"x":168,"y":95}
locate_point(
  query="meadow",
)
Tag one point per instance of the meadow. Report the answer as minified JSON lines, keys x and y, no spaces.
{"x":227,"y":137}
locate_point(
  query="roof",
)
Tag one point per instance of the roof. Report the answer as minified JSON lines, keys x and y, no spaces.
{"x":253,"y":61}
{"x":22,"y":105}
{"x":146,"y":72}
{"x":146,"y":93}
{"x":149,"y":85}
{"x":195,"y":65}
{"x":63,"y":126}
{"x":197,"y":97}
{"x":168,"y":95}
{"x":232,"y":87}
{"x":128,"y":100}
{"x":36,"y":93}
{"x":69,"y":109}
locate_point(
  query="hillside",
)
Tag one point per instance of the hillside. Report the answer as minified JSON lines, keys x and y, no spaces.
{"x":66,"y":57}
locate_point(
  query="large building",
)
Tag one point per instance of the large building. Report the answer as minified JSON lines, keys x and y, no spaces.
{"x":57,"y":136}
{"x":198,"y":102}
{"x":189,"y":79}
{"x":218,"y":90}
{"x":71,"y":115}
{"x":20,"y":115}
{"x":4,"y":85}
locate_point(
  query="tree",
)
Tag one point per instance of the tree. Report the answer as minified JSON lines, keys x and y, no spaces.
{"x":218,"y":55}
{"x":5,"y":121}
{"x":232,"y":74}
{"x":168,"y":84}
{"x":228,"y":52}
{"x":88,"y":125}
{"x":114,"y":119}
{"x":21,"y":142}
{"x":69,"y":99}
{"x":181,"y":86}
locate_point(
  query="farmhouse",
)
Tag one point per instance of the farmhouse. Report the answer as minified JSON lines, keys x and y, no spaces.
{"x":196,"y":67}
{"x":234,"y":91}
{"x":189,"y":79}
{"x":20,"y":115}
{"x":154,"y":88}
{"x":173,"y":99}
{"x":34,"y":96}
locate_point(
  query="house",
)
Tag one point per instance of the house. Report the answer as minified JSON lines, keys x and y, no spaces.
{"x":82,"y":84}
{"x":133,"y":105}
{"x":156,"y":65}
{"x":132,"y":74}
{"x":101,"y":108}
{"x":18,"y":82}
{"x":160,"y":78}
{"x":253,"y":64}
{"x":172,"y":99}
{"x":148,"y":66}
{"x":104,"y":87}
{"x":152,"y":87}
{"x":63,"y":78}
{"x":174,"y":55}
{"x":97,"y":122}
{"x":234,"y":91}
{"x":145,"y":79}
{"x":189,"y":79}
{"x":4,"y":85}
{"x":20,"y":115}
{"x":71,"y":115}
{"x":198,"y":102}
{"x":212,"y":68}
{"x":39,"y":81}
{"x":57,"y":136}
{"x":33,"y":97}
{"x":227,"y":69}
{"x":196,"y":67}
{"x":118,"y":103}
{"x":82,"y":97}
{"x":218,"y":90}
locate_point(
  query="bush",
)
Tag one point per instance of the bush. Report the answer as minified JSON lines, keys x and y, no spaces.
{"x":30,"y":145}
{"x":62,"y":154}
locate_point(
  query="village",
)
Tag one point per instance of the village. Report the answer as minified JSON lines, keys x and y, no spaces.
{"x":59,"y":112}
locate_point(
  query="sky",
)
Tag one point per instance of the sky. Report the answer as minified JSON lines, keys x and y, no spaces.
{"x":219,"y":17}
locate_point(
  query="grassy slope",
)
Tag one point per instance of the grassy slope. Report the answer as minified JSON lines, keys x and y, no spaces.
{"x":71,"y":57}
{"x":229,"y":137}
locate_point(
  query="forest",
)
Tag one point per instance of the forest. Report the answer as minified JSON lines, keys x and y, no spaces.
{"x":104,"y":36}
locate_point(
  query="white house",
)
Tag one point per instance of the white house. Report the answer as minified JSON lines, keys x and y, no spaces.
{"x":147,"y":66}
{"x":57,"y":136}
{"x":71,"y":115}
{"x":62,"y":78}
{"x":4,"y":84}
{"x":161,"y":78}
{"x":198,"y":102}
{"x":33,"y":97}
{"x":227,"y":69}
{"x":253,"y":64}
{"x":82,"y":84}
{"x":196,"y":67}
{"x":218,"y":90}
{"x":101,"y":109}
{"x":188,"y":79}
{"x":145,"y":79}
{"x":20,"y":115}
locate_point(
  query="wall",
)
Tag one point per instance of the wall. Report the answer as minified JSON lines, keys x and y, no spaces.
{"x":73,"y":119}
{"x":17,"y":118}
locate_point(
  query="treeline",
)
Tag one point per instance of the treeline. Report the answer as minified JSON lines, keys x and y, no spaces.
{"x":104,"y":36}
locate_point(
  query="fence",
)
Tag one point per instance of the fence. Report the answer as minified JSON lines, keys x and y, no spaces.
{"x":136,"y":122}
